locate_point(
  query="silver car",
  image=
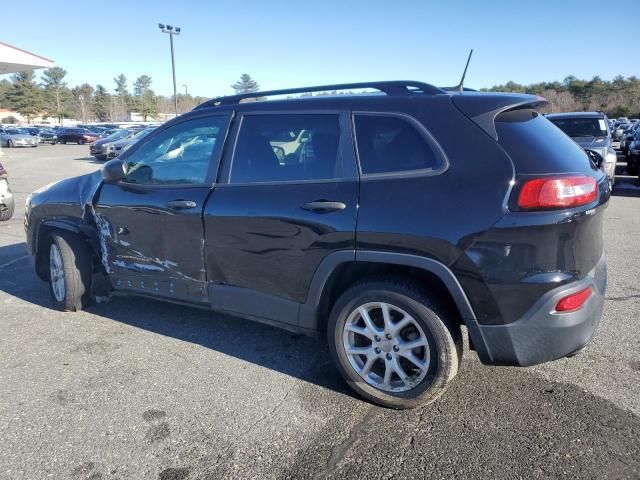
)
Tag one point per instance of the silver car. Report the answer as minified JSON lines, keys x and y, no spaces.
{"x":15,"y":137}
{"x":116,"y":148}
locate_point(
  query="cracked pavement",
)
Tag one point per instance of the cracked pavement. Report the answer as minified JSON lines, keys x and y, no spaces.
{"x":135,"y":388}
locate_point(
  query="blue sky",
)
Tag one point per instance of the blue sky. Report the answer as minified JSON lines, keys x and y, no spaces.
{"x":283,"y":44}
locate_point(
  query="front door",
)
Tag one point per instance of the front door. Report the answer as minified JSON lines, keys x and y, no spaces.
{"x":150,"y":223}
{"x":286,"y":199}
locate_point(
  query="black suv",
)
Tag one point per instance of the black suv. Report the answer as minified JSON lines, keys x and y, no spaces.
{"x":386,"y":222}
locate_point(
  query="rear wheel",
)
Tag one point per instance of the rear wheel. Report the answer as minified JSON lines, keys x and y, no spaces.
{"x":70,"y":271}
{"x":392,"y":344}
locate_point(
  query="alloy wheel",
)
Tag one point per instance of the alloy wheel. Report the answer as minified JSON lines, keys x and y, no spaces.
{"x":56,"y":272}
{"x":386,"y":347}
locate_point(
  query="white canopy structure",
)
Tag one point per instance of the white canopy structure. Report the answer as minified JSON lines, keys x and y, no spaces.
{"x":13,"y":59}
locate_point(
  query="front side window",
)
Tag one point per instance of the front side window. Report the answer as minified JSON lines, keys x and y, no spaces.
{"x":390,"y":144}
{"x":180,"y":154}
{"x":287,"y":147}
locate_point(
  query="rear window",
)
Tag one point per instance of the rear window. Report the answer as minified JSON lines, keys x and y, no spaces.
{"x":536,"y":146}
{"x":581,"y":127}
{"x":391,"y":144}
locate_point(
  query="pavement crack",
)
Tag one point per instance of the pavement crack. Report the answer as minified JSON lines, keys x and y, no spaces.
{"x":621,"y":299}
{"x":340,"y":451}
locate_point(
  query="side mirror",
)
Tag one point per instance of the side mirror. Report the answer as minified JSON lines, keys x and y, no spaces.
{"x":113,"y":171}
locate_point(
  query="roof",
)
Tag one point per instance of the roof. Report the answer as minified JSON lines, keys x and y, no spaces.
{"x":576,"y":115}
{"x":14,"y":59}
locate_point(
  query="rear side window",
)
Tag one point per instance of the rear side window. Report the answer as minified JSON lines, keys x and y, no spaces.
{"x":537,"y":146}
{"x":287,"y":147}
{"x":391,"y":144}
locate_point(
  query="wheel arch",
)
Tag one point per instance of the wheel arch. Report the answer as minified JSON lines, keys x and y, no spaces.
{"x":42,"y":235}
{"x":341,"y":269}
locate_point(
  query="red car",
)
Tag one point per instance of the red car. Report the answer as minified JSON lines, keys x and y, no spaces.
{"x":77,"y":135}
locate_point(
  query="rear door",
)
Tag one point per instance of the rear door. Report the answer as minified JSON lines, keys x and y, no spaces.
{"x":151,"y":222}
{"x":287,"y":198}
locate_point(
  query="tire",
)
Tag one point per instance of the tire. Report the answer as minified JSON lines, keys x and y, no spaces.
{"x":63,"y":141}
{"x":631,"y":167}
{"x":8,"y":213}
{"x":73,"y":262}
{"x":80,"y":141}
{"x":441,"y":356}
{"x":10,"y":144}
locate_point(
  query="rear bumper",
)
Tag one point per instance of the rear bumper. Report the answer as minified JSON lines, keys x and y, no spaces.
{"x":540,"y":335}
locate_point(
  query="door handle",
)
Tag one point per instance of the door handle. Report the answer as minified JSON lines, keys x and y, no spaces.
{"x":181,"y":204}
{"x":323,"y":206}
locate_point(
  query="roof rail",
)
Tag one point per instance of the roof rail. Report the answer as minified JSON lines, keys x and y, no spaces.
{"x":396,"y":87}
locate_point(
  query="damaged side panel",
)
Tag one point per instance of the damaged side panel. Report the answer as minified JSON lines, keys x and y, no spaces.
{"x":146,"y":246}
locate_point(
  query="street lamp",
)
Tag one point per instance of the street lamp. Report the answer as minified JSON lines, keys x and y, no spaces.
{"x":172,"y":31}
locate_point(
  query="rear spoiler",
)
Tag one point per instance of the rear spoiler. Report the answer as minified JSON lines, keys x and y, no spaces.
{"x":483,"y":108}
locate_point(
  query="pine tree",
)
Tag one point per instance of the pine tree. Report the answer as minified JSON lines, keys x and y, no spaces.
{"x":246,"y":84}
{"x":25,"y":96}
{"x":101,"y":100}
{"x":122,"y":94}
{"x":144,"y":96}
{"x":56,"y":93}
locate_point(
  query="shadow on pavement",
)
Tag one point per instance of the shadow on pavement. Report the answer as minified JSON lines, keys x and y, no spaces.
{"x":295,"y":355}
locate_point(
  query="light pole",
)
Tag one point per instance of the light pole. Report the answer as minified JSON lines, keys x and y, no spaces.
{"x":172,"y":31}
{"x":186,"y":93}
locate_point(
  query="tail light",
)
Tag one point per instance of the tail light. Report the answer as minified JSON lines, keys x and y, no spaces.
{"x":558,"y":192}
{"x":574,"y":302}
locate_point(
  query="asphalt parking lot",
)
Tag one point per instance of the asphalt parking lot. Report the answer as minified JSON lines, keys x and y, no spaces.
{"x":140,"y":389}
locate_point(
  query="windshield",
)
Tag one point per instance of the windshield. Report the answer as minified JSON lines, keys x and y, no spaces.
{"x":581,"y":127}
{"x":143,"y":133}
{"x":15,"y":131}
{"x":118,"y":135}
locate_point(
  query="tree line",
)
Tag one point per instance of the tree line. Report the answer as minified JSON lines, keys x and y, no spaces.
{"x":51,"y":96}
{"x":619,"y":97}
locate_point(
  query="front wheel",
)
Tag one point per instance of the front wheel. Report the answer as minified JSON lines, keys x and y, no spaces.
{"x":10,"y":144}
{"x":80,"y":141}
{"x":70,"y":271}
{"x":392,"y":344}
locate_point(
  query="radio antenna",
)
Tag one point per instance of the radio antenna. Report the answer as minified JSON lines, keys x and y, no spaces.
{"x":460,"y":86}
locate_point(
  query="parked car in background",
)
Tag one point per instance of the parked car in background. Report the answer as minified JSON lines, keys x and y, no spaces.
{"x":77,"y":135}
{"x":633,"y":155}
{"x":48,"y":135}
{"x":116,"y":148}
{"x":627,"y":138}
{"x":392,"y":228}
{"x":16,"y":137}
{"x":590,"y":130}
{"x":618,"y":131}
{"x":99,"y":148}
{"x":7,"y":202}
{"x":33,"y":131}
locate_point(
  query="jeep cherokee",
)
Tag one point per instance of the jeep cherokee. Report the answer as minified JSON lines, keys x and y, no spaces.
{"x":399,"y":218}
